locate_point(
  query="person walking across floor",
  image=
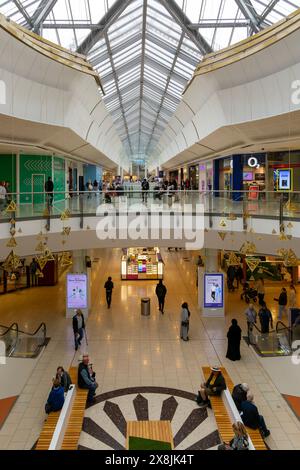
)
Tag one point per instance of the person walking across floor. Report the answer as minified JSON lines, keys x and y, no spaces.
{"x":282,"y":303}
{"x":161,"y":292}
{"x":230,"y":278}
{"x":145,"y":189}
{"x":87,"y":377}
{"x":251,"y":316}
{"x":49,"y":188}
{"x":251,"y":416}
{"x":265,"y":318}
{"x":78,"y":327}
{"x":234,"y":341}
{"x":33,"y":267}
{"x":260,"y":287}
{"x":108,"y":286}
{"x":184,"y":321}
{"x":239,"y":275}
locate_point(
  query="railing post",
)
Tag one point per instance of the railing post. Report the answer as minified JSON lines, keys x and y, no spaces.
{"x":245,"y":213}
{"x":210,"y":208}
{"x":281,"y":227}
{"x":81,"y":196}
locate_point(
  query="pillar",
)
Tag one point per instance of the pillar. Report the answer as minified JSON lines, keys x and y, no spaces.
{"x":216,"y":178}
{"x":237,"y":177}
{"x":211,"y":261}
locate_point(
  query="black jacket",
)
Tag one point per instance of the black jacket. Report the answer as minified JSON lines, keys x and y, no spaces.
{"x":238,"y":395}
{"x":219,"y":383}
{"x":282,"y":298}
{"x":109,"y":285}
{"x":250,"y":415}
{"x":75,"y":323}
{"x":49,"y":186}
{"x":161,"y":291}
{"x":145,"y":186}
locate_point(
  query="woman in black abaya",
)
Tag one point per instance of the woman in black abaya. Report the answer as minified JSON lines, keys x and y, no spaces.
{"x":234,"y":340}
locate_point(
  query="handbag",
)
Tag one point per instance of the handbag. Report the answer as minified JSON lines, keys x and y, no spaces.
{"x":185,"y":323}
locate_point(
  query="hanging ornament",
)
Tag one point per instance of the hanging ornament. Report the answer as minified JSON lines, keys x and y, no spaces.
{"x":290,"y":225}
{"x":39,"y":247}
{"x":282,"y":236}
{"x":12,"y":207}
{"x":39,"y":273}
{"x":65,"y":215}
{"x":289,"y":257}
{"x":289,"y":237}
{"x":12,"y":262}
{"x":20,"y":230}
{"x":12,"y":231}
{"x":66,"y":231}
{"x":251,"y":230}
{"x":274,"y":231}
{"x":233,"y":259}
{"x":44,"y":258}
{"x":232,"y":216}
{"x":248,"y":248}
{"x":65,"y":260}
{"x":11,"y":243}
{"x":222,"y":235}
{"x":223,"y":223}
{"x":40,"y":236}
{"x":13,"y":277}
{"x":246,"y":215}
{"x":12,"y":221}
{"x":252,"y":263}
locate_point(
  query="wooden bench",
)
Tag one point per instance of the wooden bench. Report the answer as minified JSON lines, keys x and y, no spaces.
{"x":74,"y":427}
{"x":222,"y":418}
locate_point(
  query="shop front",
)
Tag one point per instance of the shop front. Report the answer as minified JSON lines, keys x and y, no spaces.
{"x":194,"y":177}
{"x":142,"y":264}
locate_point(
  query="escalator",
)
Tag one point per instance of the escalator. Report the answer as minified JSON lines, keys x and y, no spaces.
{"x":21,"y":344}
{"x":276,"y":343}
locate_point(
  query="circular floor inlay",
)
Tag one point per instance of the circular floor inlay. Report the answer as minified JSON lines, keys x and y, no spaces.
{"x":105,"y":422}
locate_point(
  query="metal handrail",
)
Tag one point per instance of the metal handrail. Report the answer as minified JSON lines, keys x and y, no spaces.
{"x":11,"y":328}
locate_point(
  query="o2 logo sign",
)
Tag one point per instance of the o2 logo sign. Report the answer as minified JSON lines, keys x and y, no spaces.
{"x":253,"y":162}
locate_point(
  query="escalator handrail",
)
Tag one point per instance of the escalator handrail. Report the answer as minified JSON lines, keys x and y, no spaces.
{"x":285,"y":327}
{"x":271,"y":331}
{"x":10,"y":328}
{"x":42,"y":325}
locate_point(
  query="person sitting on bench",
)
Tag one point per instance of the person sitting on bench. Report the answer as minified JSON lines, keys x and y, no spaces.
{"x":56,"y":397}
{"x":86,"y":377}
{"x":251,"y":416}
{"x":239,"y":394}
{"x":212,"y":387}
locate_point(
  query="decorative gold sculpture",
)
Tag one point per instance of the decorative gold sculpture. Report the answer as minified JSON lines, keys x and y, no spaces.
{"x":233,"y":259}
{"x":45,"y":257}
{"x":65,"y":260}
{"x":222,"y":235}
{"x":248,"y":248}
{"x":12,"y":262}
{"x":223,"y":223}
{"x":65,"y":215}
{"x":12,"y":207}
{"x":11,"y":243}
{"x":232,"y":216}
{"x":252,"y":263}
{"x":66,"y":231}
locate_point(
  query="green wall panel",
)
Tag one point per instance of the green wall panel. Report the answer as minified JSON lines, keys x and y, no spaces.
{"x":34,"y":172}
{"x":59,"y":177}
{"x":8,"y":170}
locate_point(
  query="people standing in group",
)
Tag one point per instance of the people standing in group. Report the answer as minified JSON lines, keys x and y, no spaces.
{"x":184,"y":321}
{"x":161,"y":292}
{"x":78,"y":328}
{"x":282,"y":303}
{"x":108,"y":286}
{"x":251,"y":317}
{"x":265,"y":318}
{"x":251,"y":416}
{"x":292,"y":296}
{"x":33,"y":267}
{"x":214,"y":386}
{"x":234,"y":336}
{"x":145,"y":190}
{"x":2,"y":195}
{"x":64,"y":378}
{"x":95,"y":187}
{"x":56,"y":398}
{"x":260,"y":287}
{"x":87,"y":378}
{"x":49,"y":188}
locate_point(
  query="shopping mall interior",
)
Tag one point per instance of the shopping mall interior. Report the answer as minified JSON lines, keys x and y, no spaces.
{"x":149,"y":225}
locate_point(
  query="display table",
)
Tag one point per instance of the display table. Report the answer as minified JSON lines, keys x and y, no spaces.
{"x":142,"y":264}
{"x":159,"y":431}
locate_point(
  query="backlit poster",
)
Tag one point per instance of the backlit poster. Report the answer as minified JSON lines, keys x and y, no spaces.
{"x":284,"y":180}
{"x":77,"y":291}
{"x":213,"y":290}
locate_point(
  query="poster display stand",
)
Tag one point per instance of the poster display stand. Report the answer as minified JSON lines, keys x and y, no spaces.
{"x":211,"y":296}
{"x":77,"y":294}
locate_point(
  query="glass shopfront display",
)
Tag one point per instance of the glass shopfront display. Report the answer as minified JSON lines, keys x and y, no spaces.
{"x":142,"y":263}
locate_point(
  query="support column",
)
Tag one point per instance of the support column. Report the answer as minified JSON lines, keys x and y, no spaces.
{"x":211,"y":260}
{"x":216,"y":178}
{"x":237,"y":177}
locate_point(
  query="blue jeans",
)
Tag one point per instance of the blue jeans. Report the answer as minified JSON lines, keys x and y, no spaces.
{"x":78,"y":339}
{"x":92,"y":390}
{"x":262,"y":424}
{"x":282,"y":308}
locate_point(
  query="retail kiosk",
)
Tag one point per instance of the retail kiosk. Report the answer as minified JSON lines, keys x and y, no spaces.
{"x":142,"y":264}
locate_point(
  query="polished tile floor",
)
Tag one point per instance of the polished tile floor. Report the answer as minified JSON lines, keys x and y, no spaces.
{"x":129,"y":350}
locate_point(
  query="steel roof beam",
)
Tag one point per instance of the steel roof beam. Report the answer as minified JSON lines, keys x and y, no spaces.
{"x":180,"y":17}
{"x":41,"y":13}
{"x":108,"y":19}
{"x":249,"y":12}
{"x":23,"y":12}
{"x":220,"y":24}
